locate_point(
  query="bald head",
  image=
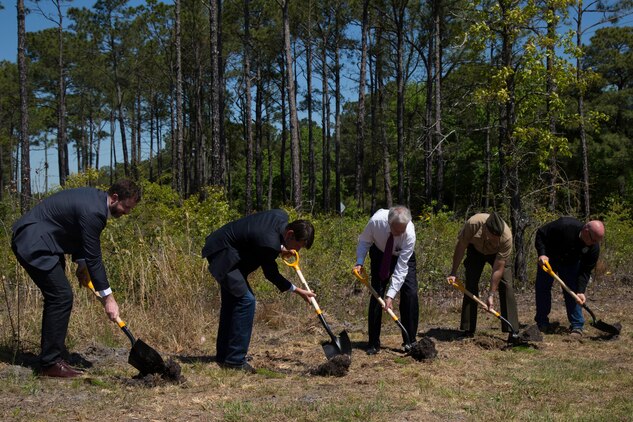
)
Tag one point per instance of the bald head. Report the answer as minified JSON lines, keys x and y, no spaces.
{"x":592,"y":233}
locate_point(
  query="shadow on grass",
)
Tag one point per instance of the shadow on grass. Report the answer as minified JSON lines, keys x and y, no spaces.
{"x":446,"y":334}
{"x":13,"y":356}
{"x":195,"y":359}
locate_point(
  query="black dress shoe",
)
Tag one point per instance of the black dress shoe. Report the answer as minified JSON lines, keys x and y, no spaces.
{"x":246,"y":367}
{"x":60,"y":369}
{"x":372,"y":350}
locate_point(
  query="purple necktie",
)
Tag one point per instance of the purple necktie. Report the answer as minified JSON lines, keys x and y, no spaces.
{"x":385,"y":265}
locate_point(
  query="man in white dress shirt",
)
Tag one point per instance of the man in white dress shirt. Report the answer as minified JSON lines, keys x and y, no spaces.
{"x":390,"y":229}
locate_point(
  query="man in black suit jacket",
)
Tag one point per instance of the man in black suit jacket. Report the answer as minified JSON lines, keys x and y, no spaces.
{"x":236,"y":250}
{"x":68,"y":222}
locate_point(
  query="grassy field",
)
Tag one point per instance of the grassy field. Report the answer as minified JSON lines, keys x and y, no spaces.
{"x":471,"y":379}
{"x":170,"y":301}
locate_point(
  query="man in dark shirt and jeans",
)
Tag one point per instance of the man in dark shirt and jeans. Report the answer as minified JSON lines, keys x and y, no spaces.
{"x":572,"y":249}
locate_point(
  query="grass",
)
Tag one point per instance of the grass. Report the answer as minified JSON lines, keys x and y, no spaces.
{"x":169,"y":299}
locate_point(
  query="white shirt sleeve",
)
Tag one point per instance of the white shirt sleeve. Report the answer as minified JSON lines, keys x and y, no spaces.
{"x":375,"y":233}
{"x":406,"y":246}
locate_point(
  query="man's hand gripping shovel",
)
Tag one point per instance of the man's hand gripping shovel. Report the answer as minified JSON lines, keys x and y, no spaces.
{"x":598,"y":324}
{"x":363,"y":278}
{"x":339,"y":345}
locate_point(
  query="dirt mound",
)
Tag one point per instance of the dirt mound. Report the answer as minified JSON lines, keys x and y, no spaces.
{"x":338,"y":366}
{"x":490,"y":343}
{"x":423,"y":349}
{"x":171,"y":375}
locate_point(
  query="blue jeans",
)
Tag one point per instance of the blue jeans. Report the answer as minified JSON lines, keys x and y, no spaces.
{"x":236,"y":325}
{"x":543,"y":290}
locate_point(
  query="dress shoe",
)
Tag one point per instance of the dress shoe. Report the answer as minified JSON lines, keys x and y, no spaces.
{"x":468,"y":334}
{"x":245,"y":367}
{"x":60,"y":369}
{"x":372,"y":350}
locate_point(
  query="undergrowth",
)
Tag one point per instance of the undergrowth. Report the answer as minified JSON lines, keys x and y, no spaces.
{"x":166,"y":292}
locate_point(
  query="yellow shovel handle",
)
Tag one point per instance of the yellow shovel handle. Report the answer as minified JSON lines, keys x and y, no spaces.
{"x":459,"y":286}
{"x":91,"y":286}
{"x":362,"y":276}
{"x":548,"y":269}
{"x":290,"y":261}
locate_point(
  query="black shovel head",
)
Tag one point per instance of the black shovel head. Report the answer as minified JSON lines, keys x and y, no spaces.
{"x":146,"y":359}
{"x":607,"y":328}
{"x":339,"y":346}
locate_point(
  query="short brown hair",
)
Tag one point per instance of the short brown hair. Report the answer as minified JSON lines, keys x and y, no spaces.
{"x":303,"y":231}
{"x":125,"y":189}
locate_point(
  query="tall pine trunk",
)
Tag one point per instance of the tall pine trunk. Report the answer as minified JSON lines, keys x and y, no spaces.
{"x":294,"y":120}
{"x":248,"y":132}
{"x":25,"y":163}
{"x":360,"y":116}
{"x":178,"y":165}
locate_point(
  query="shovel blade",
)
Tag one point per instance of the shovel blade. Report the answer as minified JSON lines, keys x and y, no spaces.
{"x":330,"y":350}
{"x":607,"y":328}
{"x":344,"y":343}
{"x":146,"y":359}
{"x":340,"y":345}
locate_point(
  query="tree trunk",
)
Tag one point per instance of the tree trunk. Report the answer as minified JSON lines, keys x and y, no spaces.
{"x":581,"y":115}
{"x":337,"y":121}
{"x":62,"y":148}
{"x":438,"y":103}
{"x":311,"y":159}
{"x":506,"y":134}
{"x":284,"y":132}
{"x":259,"y":177}
{"x":248,"y":135}
{"x":269,"y":195}
{"x":384,"y":141}
{"x":325,"y":124}
{"x":399,"y":15}
{"x":551,"y":91}
{"x":428,"y":135}
{"x":294,"y":121}
{"x":178,"y":165}
{"x":217,"y":148}
{"x":360,"y":117}
{"x":25,"y":163}
{"x":375,"y":139}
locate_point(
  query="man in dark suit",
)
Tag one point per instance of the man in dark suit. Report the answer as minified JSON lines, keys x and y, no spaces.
{"x":573,"y":249}
{"x":236,"y":250}
{"x":68,"y":222}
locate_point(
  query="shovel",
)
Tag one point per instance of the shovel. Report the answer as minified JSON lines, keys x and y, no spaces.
{"x":597,"y":324}
{"x":459,"y":286}
{"x":362,"y":276}
{"x":142,"y":357}
{"x":338,"y":345}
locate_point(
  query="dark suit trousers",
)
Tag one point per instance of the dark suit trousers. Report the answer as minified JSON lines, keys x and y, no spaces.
{"x":409,"y":304}
{"x":58,"y":303}
{"x":474,"y":265}
{"x":237,"y":315}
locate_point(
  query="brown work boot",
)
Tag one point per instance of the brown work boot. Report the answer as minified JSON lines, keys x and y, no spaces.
{"x":60,"y":369}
